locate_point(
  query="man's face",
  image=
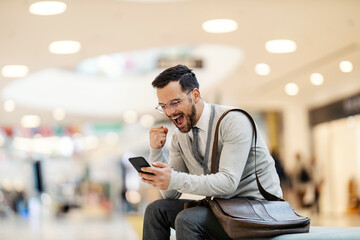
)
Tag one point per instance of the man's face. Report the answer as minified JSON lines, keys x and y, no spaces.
{"x":184,"y":114}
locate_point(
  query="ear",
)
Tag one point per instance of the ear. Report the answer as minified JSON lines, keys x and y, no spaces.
{"x":196,"y":95}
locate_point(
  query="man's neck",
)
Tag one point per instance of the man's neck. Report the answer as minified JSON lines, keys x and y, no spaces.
{"x":199,"y":110}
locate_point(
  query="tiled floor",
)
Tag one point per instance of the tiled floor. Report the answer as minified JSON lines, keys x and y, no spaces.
{"x":114,"y":228}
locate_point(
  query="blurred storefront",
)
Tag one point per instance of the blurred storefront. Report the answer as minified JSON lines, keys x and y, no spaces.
{"x":336,"y":148}
{"x":56,"y":172}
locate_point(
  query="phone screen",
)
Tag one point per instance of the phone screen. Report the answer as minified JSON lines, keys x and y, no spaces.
{"x":138,"y":163}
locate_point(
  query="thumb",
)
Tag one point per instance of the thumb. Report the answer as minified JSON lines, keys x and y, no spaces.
{"x":166,"y":129}
{"x":159,"y":164}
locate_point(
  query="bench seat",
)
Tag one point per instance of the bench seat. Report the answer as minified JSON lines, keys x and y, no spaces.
{"x":321,"y":233}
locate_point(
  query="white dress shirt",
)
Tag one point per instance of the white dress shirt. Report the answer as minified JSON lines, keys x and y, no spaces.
{"x":203,"y":125}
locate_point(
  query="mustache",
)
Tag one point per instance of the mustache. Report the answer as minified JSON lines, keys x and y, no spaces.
{"x":175,"y":115}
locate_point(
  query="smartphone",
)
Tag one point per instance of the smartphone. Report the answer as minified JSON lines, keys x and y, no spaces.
{"x":138,"y":163}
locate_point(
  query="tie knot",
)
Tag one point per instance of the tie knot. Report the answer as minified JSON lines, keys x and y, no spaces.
{"x":195,"y":130}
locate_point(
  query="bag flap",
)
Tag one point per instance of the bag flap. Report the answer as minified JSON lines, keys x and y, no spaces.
{"x":258,"y":209}
{"x":236,"y":207}
{"x":281,"y":211}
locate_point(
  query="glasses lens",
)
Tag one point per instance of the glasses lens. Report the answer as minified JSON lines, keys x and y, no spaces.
{"x":159,"y":108}
{"x":174,"y":104}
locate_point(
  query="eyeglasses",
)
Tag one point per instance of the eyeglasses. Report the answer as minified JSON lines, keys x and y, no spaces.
{"x":173,"y":104}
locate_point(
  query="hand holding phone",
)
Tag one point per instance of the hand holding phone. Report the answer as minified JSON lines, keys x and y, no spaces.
{"x":160,"y":180}
{"x":138,"y":163}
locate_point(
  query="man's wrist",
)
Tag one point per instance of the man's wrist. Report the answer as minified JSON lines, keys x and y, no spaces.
{"x":176,"y":181}
{"x":155,"y":154}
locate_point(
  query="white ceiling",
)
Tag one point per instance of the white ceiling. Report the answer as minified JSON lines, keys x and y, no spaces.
{"x":326,"y":32}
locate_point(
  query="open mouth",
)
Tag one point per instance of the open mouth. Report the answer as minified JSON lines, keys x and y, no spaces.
{"x":178,"y":120}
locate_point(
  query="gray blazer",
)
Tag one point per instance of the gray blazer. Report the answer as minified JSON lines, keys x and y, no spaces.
{"x":235,"y":154}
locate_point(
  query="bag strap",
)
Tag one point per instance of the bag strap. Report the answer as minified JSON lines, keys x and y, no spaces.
{"x":268,"y":196}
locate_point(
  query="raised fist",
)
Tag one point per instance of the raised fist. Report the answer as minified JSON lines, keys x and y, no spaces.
{"x":158,"y":136}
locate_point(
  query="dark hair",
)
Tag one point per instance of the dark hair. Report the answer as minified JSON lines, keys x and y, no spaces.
{"x":180,"y":73}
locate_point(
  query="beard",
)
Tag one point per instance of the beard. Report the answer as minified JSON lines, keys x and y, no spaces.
{"x":184,"y":122}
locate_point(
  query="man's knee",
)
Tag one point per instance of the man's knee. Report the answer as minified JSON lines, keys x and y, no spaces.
{"x":154,"y":207}
{"x":185,"y":219}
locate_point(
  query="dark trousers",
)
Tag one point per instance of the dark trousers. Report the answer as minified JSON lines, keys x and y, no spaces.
{"x":192,"y":223}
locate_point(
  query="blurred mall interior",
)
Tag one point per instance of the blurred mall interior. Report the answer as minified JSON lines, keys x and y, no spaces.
{"x":77,"y":102}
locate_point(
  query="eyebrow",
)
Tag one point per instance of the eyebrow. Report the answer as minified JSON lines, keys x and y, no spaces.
{"x":175,"y":99}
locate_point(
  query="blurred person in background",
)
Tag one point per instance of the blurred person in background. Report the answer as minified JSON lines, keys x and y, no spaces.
{"x":302,"y":182}
{"x":354,"y":198}
{"x":285,"y":181}
{"x":317,"y":182}
{"x":187,"y":169}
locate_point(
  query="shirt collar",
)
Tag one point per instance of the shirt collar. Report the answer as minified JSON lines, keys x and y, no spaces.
{"x":204,"y":118}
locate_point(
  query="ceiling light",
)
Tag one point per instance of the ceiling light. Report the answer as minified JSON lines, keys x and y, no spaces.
{"x":9,"y":106}
{"x":262,"y":69}
{"x":346,"y":66}
{"x":316,"y":79}
{"x":30,"y":121}
{"x":280,"y":46}
{"x":47,"y":8}
{"x":219,"y":26}
{"x":64,"y":47}
{"x":59,"y":114}
{"x":15,"y":71}
{"x":291,"y":89}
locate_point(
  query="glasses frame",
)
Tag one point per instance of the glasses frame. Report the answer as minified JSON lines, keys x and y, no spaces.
{"x":172,"y":104}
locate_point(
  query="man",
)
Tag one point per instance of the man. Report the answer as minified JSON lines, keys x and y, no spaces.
{"x":187,"y":169}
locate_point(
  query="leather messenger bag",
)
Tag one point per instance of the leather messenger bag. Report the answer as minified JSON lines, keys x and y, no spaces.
{"x":247,"y":218}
